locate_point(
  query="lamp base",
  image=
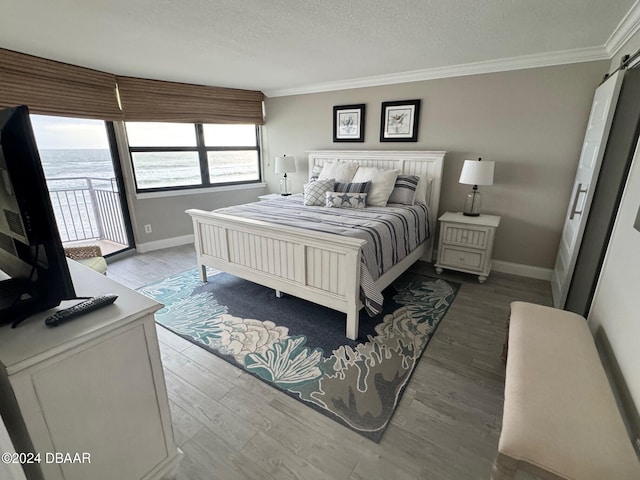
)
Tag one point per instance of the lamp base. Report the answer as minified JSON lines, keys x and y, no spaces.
{"x":284,"y":186}
{"x":470,"y":214}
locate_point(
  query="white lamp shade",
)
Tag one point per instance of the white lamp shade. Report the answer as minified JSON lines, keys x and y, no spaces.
{"x":285,"y":164}
{"x":476,"y":172}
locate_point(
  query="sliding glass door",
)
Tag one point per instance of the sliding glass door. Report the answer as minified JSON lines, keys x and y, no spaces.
{"x":82,"y":169}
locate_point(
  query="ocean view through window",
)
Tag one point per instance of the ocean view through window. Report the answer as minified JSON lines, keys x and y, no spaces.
{"x":172,"y":156}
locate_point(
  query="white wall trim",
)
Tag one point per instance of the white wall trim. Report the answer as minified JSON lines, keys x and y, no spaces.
{"x":198,"y":191}
{"x":505,"y":64}
{"x":522,"y":270}
{"x":165,"y":243}
{"x":627,"y":27}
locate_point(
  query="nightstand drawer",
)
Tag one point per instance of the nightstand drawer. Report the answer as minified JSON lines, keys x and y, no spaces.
{"x":462,"y":258}
{"x":465,"y":235}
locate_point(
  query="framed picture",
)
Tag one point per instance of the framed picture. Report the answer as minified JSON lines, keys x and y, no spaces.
{"x":348,"y":123}
{"x":399,"y":122}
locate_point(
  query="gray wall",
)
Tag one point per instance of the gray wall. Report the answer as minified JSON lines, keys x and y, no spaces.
{"x":166,"y":215}
{"x":530,"y":122}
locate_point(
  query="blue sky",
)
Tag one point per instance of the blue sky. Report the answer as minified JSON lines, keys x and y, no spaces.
{"x":61,"y":132}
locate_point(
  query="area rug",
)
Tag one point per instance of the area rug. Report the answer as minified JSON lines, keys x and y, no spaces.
{"x":300,"y":347}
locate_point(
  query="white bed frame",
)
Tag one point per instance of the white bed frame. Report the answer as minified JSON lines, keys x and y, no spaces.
{"x":319,"y":267}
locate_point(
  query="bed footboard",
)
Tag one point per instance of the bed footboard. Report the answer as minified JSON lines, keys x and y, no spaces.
{"x":319,"y":267}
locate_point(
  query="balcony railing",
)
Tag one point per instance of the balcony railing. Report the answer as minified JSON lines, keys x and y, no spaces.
{"x":87,"y":208}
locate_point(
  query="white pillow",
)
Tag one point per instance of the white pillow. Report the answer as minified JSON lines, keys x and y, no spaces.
{"x":341,"y":171}
{"x":315,"y":172}
{"x":423,"y":191}
{"x":314,"y":192}
{"x":382,"y":183}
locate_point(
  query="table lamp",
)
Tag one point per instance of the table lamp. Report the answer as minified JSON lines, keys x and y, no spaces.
{"x":475,"y":173}
{"x":285,"y":165}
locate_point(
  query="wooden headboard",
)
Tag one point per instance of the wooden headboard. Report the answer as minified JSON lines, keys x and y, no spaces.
{"x":410,"y":162}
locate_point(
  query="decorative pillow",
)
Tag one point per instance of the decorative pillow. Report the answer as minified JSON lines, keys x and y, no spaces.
{"x":314,"y":192}
{"x":404,"y":191}
{"x":352,"y":187}
{"x":341,"y":171}
{"x":315,"y":173}
{"x":382,"y":183}
{"x":424,"y":190}
{"x":346,"y":200}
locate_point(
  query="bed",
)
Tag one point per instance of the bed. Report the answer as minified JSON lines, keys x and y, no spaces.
{"x":320,"y":267}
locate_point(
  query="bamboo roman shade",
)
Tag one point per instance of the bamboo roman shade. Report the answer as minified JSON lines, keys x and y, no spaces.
{"x":159,"y":101}
{"x":55,"y":88}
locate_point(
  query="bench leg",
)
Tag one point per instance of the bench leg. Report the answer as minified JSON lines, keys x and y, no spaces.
{"x":278,"y":294}
{"x":504,"y":468}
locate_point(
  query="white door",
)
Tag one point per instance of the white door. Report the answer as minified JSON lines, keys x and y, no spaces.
{"x":595,"y":141}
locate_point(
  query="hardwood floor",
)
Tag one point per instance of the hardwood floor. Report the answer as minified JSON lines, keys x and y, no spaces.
{"x":232,"y":426}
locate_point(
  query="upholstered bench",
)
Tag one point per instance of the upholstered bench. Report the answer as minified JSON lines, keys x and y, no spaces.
{"x":560,"y":420}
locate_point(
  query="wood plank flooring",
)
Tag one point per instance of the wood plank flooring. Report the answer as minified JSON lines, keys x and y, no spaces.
{"x":232,"y":426}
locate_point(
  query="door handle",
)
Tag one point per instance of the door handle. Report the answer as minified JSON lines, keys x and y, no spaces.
{"x":579,"y":190}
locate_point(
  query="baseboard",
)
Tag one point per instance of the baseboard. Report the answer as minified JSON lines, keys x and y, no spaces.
{"x":165,"y":243}
{"x":521,"y":270}
{"x":619,"y":384}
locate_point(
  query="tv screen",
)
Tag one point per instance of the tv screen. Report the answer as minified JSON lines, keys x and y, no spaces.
{"x":34,"y":275}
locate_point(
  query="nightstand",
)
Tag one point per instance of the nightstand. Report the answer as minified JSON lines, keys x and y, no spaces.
{"x":466,"y":243}
{"x":269,"y":196}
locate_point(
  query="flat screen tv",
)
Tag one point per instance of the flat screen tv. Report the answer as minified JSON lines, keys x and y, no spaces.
{"x":34,"y":275}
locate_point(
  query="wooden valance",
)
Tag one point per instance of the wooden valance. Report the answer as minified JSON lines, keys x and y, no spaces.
{"x":49,"y":87}
{"x":160,"y":101}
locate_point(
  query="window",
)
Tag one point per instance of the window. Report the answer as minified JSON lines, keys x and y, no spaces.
{"x":172,"y":156}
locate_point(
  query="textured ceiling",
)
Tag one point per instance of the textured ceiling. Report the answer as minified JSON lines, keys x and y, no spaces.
{"x":278,"y":45}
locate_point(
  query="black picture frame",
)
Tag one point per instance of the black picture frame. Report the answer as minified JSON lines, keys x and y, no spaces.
{"x":348,"y":123}
{"x":399,"y":121}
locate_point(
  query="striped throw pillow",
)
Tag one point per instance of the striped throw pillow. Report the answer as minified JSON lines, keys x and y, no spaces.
{"x":352,"y":187}
{"x":404,"y":191}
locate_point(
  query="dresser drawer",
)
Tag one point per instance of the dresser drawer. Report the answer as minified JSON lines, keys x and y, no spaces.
{"x":456,"y":257}
{"x":465,"y":235}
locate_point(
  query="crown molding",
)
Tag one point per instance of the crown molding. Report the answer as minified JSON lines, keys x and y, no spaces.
{"x":505,"y":64}
{"x":627,"y":27}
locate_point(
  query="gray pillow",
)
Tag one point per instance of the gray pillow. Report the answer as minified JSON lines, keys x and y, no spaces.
{"x":404,"y":191}
{"x":352,"y":187}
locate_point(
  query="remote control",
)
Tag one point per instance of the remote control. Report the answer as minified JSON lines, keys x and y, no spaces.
{"x":79,"y":309}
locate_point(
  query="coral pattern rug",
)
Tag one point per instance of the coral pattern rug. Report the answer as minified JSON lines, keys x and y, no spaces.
{"x":300,"y":347}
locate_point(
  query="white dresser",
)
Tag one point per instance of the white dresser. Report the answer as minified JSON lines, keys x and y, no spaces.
{"x":466,"y":243}
{"x":92,"y":388}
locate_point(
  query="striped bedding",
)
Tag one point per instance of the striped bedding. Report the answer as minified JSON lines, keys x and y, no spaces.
{"x":391,"y":232}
